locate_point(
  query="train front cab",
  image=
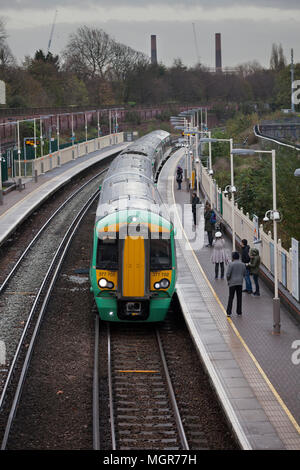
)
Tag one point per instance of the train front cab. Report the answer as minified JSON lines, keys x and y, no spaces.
{"x":133,"y":277}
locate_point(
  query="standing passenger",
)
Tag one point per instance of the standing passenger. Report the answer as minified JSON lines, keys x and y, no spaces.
{"x":254,"y":268}
{"x":235,"y":275}
{"x":195,"y":202}
{"x":179,"y":176}
{"x":219,"y":256}
{"x":209,"y":217}
{"x":246,"y":259}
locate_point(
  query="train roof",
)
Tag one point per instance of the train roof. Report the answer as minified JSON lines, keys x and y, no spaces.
{"x":147,"y":144}
{"x":129,"y":181}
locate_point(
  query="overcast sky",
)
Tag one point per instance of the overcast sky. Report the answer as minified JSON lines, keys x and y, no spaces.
{"x":248,"y":28}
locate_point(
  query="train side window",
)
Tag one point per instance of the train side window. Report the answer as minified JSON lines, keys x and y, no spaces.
{"x":108,"y":253}
{"x":160,"y":254}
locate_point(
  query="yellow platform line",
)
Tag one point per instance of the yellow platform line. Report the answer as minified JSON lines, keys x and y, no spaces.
{"x":258,"y":366}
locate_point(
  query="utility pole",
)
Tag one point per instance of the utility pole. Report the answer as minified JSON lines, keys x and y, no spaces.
{"x":196,"y":44}
{"x":51,"y":34}
{"x":292,"y":81}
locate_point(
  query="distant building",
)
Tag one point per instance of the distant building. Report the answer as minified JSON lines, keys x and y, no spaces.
{"x":218,"y":52}
{"x":153,"y":50}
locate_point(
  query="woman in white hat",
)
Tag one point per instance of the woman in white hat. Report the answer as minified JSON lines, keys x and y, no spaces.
{"x":219,"y":255}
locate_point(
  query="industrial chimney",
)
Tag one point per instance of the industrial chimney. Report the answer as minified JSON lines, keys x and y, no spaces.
{"x":153,"y":50}
{"x":218,"y":53}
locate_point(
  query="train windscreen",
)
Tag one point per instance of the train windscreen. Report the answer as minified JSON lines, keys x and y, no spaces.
{"x":108,"y":253}
{"x":160,"y":254}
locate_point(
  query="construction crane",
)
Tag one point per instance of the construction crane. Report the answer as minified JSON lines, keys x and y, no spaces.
{"x":196,"y":44}
{"x":51,"y":34}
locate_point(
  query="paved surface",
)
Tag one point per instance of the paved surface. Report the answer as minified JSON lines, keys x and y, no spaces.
{"x":256,"y":373}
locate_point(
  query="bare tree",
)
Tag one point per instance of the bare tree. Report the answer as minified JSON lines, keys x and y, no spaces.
{"x":3,"y":34}
{"x":124,"y":59}
{"x":6,"y":57}
{"x":124,"y":62}
{"x":89,"y":52}
{"x":278,"y":60}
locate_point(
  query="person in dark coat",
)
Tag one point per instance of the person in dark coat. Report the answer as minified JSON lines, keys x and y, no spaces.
{"x":235,"y":275}
{"x":195,"y":202}
{"x":209,"y":226}
{"x":179,"y":176}
{"x":254,"y":268}
{"x":246,"y":260}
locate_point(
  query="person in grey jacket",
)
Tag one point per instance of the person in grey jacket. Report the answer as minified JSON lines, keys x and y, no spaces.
{"x":235,"y":275}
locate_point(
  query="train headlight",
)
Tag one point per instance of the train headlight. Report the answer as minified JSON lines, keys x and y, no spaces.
{"x":105,"y":284}
{"x":164,"y":283}
{"x":102,"y":282}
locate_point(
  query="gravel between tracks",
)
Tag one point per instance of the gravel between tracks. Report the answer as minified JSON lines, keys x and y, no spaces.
{"x":17,"y":299}
{"x":55,"y":409}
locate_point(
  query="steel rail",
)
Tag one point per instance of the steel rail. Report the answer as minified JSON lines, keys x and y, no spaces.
{"x":43,"y":228}
{"x":179,"y":424}
{"x":51,"y":279}
{"x":26,"y":327}
{"x":96,"y":420}
{"x":110,"y":388}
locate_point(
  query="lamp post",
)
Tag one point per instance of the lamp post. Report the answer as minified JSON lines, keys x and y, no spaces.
{"x":41,"y":137}
{"x":98,"y":124}
{"x":57,"y":131}
{"x":275,"y":216}
{"x":197,"y":163}
{"x":180,"y":123}
{"x":209,"y":140}
{"x":1,"y":192}
{"x":189,"y":128}
{"x":34,"y":138}
{"x":19,"y":154}
{"x":86,"y":127}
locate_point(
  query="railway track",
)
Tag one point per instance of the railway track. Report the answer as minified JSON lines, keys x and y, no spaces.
{"x":143,"y":409}
{"x":44,"y":271}
{"x":146,"y":413}
{"x":156,"y":390}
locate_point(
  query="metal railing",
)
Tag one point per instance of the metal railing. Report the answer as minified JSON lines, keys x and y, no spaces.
{"x":245,"y":228}
{"x":38,"y":166}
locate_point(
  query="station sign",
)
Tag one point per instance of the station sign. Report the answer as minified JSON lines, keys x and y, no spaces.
{"x":31,"y":142}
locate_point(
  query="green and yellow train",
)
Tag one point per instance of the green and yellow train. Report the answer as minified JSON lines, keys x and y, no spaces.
{"x":133,"y":266}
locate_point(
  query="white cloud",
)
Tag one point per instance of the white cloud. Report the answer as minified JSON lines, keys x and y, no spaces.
{"x":24,"y":18}
{"x":248,"y":28}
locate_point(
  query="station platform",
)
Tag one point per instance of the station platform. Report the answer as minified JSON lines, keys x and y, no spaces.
{"x":17,"y":205}
{"x":255,"y":374}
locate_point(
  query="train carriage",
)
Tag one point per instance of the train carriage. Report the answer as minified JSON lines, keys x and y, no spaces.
{"x":133,"y":267}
